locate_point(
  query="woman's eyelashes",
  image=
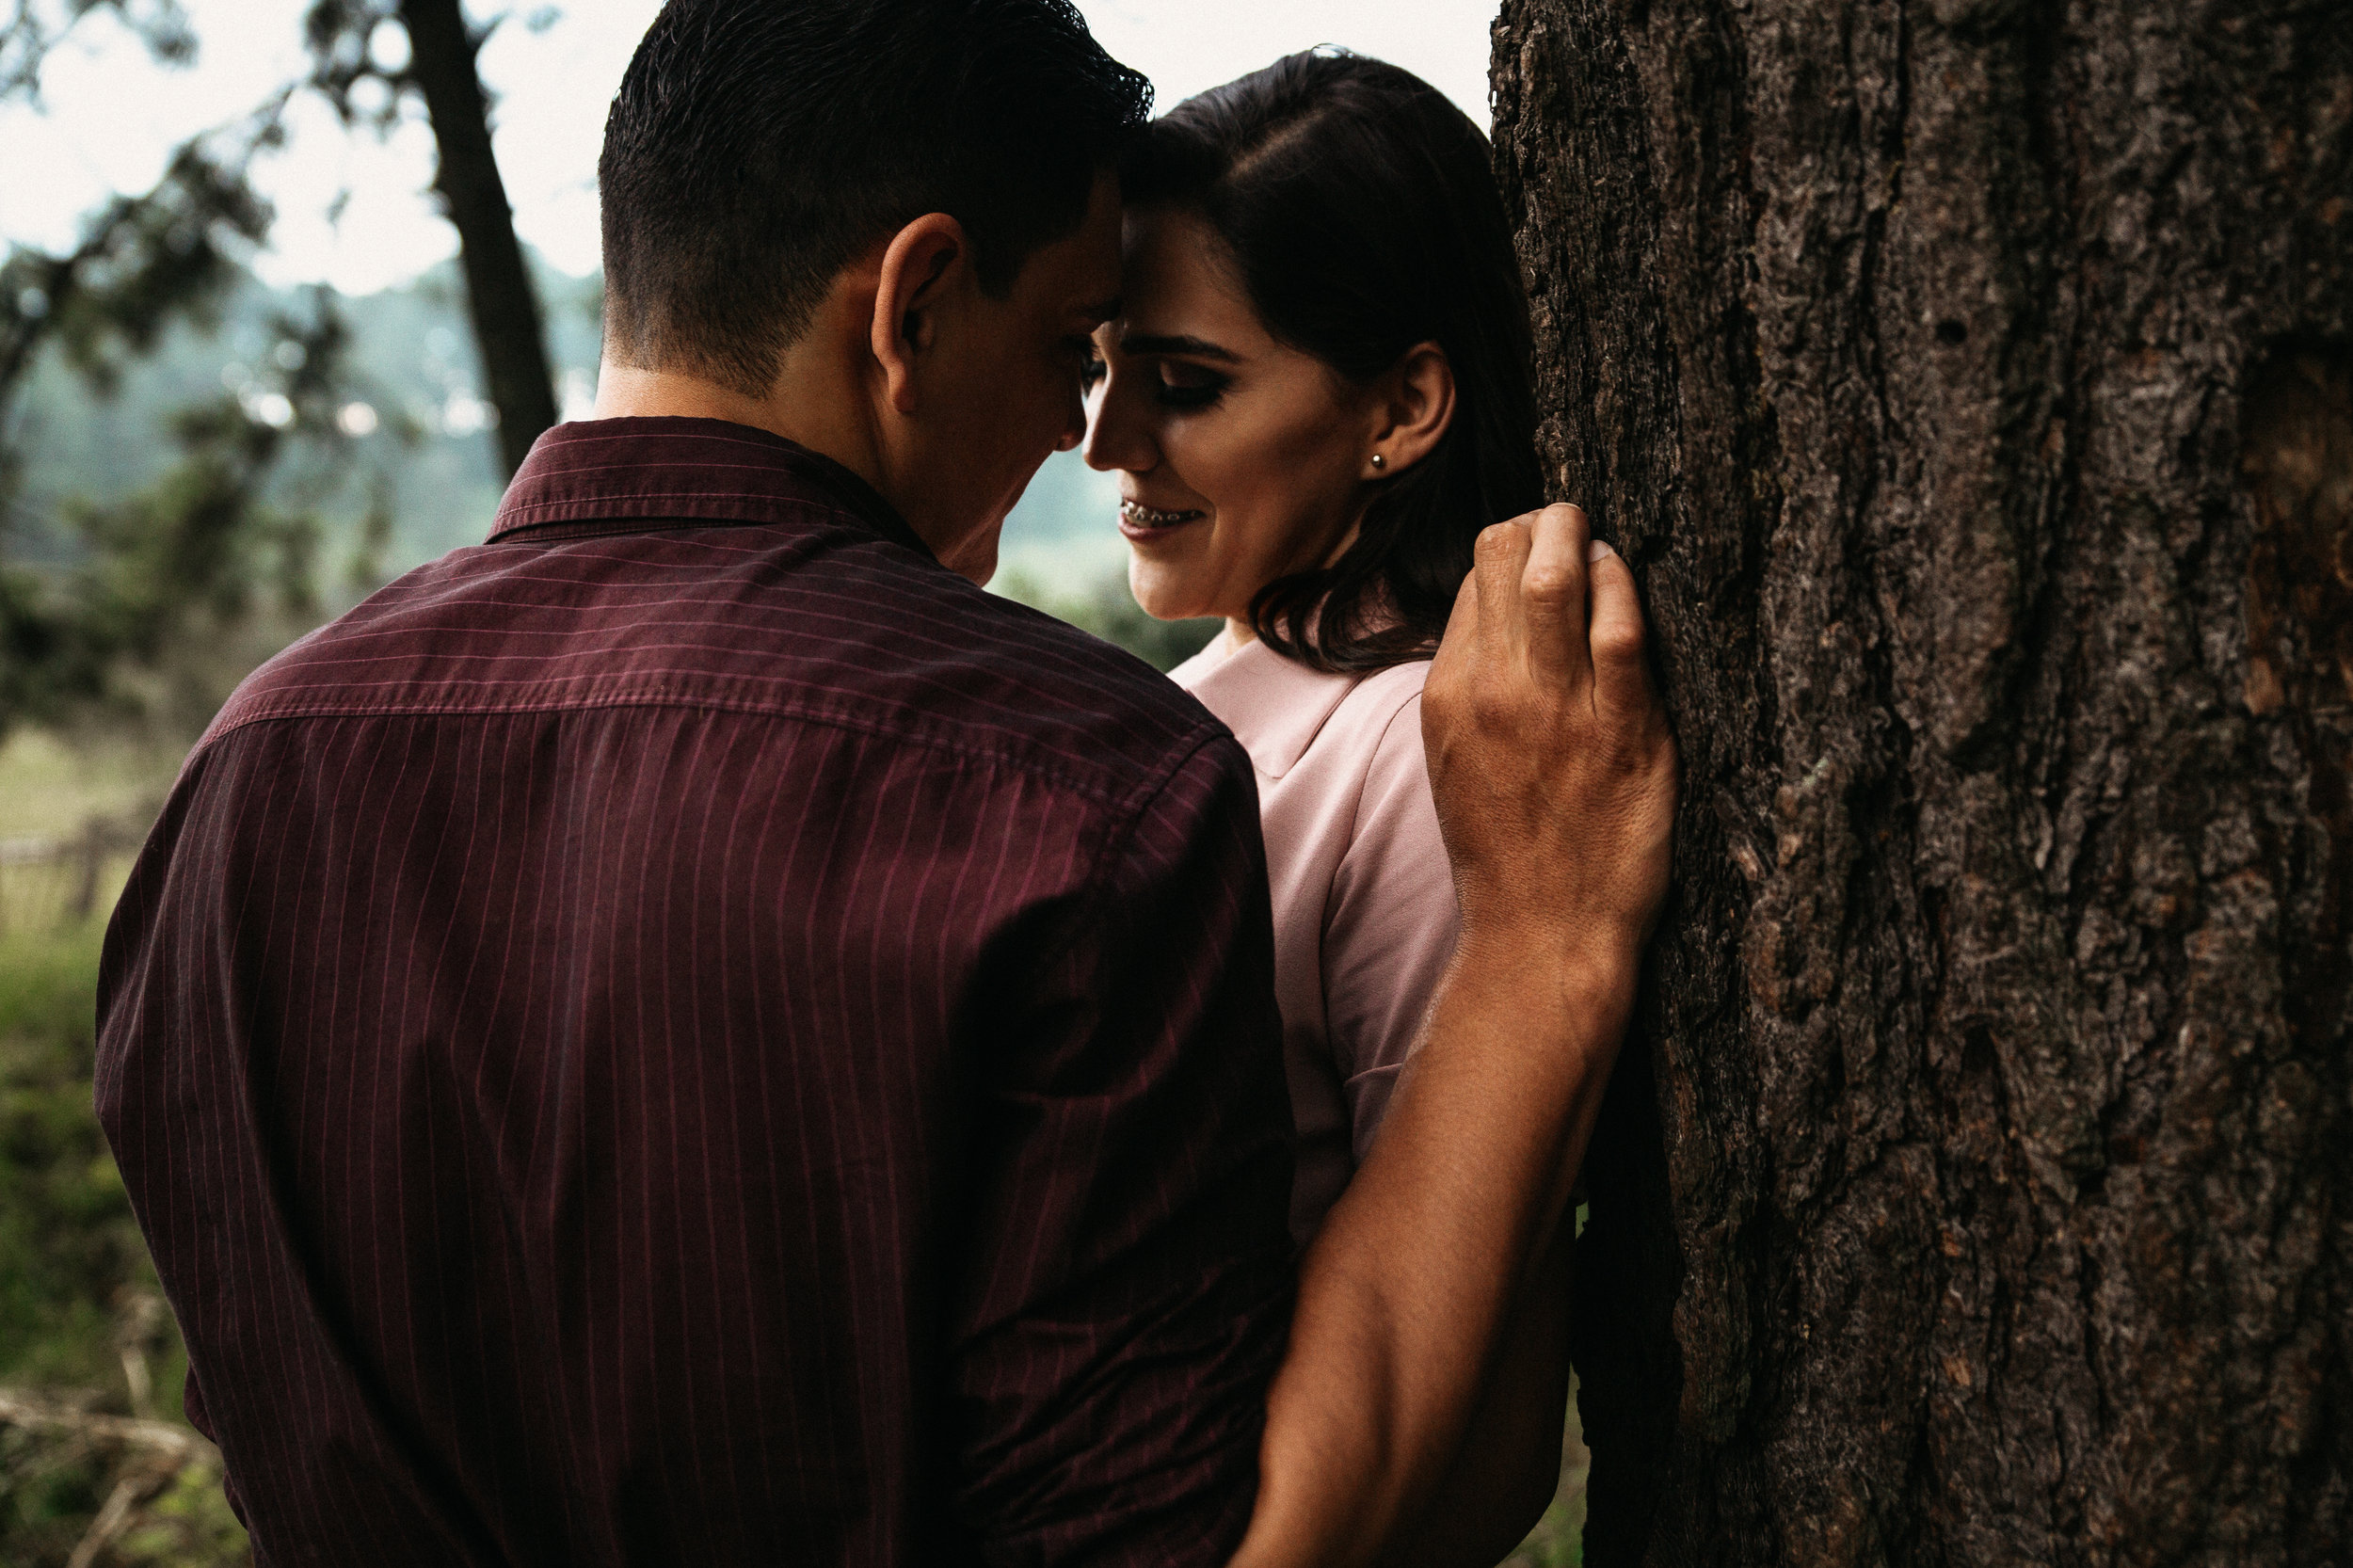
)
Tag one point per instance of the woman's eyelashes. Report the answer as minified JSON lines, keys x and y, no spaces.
{"x":1173,"y":384}
{"x":1183,"y":386}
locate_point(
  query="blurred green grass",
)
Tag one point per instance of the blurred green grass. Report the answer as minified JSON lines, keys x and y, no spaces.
{"x":84,"y":1332}
{"x":1106,"y":609}
{"x":51,"y":785}
{"x":95,"y":1457}
{"x":66,"y":1232}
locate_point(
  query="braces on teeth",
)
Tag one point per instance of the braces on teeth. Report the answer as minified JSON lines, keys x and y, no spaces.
{"x":1145,"y":516}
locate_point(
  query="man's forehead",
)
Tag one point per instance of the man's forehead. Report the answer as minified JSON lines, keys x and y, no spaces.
{"x":1086,"y":270}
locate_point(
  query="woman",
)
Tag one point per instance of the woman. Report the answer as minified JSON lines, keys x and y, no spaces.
{"x":1316,"y":396}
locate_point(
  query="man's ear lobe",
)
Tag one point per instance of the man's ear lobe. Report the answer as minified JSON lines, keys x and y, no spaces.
{"x":920,"y":266}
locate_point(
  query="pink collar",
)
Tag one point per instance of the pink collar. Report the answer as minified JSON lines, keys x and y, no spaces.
{"x":1275,"y":707}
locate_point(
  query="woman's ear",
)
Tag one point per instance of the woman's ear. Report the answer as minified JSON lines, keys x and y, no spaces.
{"x":919,"y":269}
{"x":1413,"y":405}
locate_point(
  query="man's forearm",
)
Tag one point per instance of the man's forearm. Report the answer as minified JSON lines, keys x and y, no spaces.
{"x":1553,"y":773}
{"x":1404,"y":1293}
{"x":1507,"y":1468}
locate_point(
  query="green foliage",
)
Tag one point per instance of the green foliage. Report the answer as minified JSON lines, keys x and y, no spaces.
{"x":86,"y":1339}
{"x":341,"y":36}
{"x":32,"y":28}
{"x":55,"y":1491}
{"x":49,"y":1492}
{"x":44,"y":657}
{"x":407,"y":354}
{"x":82,"y":1321}
{"x":189,"y":1524}
{"x":171,"y":565}
{"x":98,"y":594}
{"x":144,"y":262}
{"x":1111,"y":611}
{"x":165,"y":580}
{"x":67,"y":1243}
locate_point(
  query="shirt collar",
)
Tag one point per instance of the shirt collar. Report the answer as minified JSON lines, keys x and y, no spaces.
{"x":676,"y":469}
{"x":1275,"y":706}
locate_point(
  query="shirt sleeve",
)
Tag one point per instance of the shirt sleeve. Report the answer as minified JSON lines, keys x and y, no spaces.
{"x":1389,"y":928}
{"x":1131,"y":1274}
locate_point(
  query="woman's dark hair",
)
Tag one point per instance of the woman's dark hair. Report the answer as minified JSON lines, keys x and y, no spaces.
{"x":1360,"y":209}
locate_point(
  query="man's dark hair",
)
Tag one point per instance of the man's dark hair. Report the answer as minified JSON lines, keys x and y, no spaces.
{"x":1358,"y":207}
{"x":758,"y":146}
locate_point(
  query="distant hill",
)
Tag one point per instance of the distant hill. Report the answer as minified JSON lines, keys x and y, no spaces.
{"x":413,"y":366}
{"x":415,"y":361}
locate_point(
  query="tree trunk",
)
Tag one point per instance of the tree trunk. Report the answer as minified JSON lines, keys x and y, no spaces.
{"x":1968,"y":382}
{"x":499,"y":292}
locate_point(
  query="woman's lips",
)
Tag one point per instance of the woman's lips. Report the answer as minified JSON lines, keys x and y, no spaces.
{"x":1137,"y":521}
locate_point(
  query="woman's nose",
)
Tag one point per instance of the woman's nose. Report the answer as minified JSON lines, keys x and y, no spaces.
{"x":1115,"y":441}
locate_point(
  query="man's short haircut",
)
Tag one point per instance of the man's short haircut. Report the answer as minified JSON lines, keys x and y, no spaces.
{"x":758,"y":146}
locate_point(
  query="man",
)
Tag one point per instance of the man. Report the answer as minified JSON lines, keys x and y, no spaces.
{"x":689,"y":1032}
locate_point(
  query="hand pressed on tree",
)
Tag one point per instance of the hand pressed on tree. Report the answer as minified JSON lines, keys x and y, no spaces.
{"x":1549,"y":756}
{"x":1555,"y":781}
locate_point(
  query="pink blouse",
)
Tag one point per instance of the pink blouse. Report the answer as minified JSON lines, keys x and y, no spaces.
{"x":1365,"y":919}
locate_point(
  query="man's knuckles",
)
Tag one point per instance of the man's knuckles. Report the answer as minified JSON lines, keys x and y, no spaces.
{"x":1618,"y":640}
{"x":1552,"y":587}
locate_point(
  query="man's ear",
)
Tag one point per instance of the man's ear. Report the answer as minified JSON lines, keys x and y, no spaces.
{"x":1413,"y":405}
{"x":921,"y":268}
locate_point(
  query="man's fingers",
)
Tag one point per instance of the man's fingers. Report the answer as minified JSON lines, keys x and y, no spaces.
{"x":1462,"y":627}
{"x":1621,"y":674}
{"x":1497,"y":560}
{"x":1552,"y":588}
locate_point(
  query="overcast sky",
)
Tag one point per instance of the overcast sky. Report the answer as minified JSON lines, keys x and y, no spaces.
{"x":111,"y":115}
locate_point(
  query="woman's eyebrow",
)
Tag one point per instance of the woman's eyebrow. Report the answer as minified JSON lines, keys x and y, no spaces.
{"x":1198,"y":349}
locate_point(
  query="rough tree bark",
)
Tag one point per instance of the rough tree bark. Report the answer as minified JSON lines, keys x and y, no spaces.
{"x":1969,"y":383}
{"x":499,"y":292}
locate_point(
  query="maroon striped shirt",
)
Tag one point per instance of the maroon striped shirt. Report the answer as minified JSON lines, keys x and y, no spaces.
{"x":688,"y":1033}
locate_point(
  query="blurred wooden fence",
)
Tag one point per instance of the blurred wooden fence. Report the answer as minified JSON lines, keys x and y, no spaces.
{"x":56,"y":883}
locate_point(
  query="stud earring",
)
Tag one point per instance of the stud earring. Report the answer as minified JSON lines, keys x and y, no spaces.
{"x":1379,"y":461}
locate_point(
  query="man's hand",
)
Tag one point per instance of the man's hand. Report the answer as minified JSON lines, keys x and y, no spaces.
{"x":1549,"y":756}
{"x":1555,"y":780}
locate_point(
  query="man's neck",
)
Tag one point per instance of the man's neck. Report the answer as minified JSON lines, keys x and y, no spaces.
{"x":825,"y":424}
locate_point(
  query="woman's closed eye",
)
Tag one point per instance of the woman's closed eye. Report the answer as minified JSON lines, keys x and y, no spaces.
{"x":1183,"y":386}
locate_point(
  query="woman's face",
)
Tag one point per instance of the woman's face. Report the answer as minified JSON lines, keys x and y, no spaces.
{"x":1240,"y":459}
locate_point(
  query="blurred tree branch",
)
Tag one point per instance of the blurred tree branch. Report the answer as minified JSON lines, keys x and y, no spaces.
{"x":169,"y":575}
{"x":33,"y":28}
{"x":349,"y":41}
{"x":144,"y":261}
{"x":21,"y":1408}
{"x":167,"y":566}
{"x":164,"y":578}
